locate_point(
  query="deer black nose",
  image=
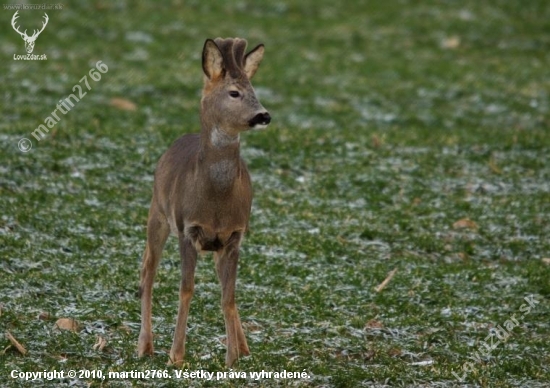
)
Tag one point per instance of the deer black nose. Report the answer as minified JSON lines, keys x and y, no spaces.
{"x":260,"y":119}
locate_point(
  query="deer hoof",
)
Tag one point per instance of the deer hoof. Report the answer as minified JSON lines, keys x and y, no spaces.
{"x":176,"y":361}
{"x":145,"y":345}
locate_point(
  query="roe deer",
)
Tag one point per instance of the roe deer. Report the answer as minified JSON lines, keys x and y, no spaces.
{"x":202,"y":193}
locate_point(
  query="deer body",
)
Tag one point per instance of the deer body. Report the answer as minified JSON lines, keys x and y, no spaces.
{"x":211,"y":179}
{"x":203,"y":195}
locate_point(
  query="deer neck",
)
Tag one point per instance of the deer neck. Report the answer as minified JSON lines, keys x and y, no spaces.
{"x":219,"y":158}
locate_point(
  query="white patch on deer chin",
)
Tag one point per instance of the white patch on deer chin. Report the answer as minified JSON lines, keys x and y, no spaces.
{"x":259,"y":126}
{"x":220,"y":138}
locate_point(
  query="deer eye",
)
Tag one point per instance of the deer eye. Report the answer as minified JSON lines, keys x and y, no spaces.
{"x":234,"y":94}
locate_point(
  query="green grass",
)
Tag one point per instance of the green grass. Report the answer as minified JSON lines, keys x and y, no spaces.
{"x":391,"y":121}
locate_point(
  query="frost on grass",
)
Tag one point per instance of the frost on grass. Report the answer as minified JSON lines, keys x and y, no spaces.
{"x":381,"y":141}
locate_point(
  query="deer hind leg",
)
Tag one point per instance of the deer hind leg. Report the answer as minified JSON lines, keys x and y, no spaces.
{"x":226,"y":268}
{"x":157,"y":233}
{"x":188,"y":263}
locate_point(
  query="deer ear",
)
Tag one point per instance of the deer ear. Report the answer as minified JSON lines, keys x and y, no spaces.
{"x":252,"y":60}
{"x":212,"y":60}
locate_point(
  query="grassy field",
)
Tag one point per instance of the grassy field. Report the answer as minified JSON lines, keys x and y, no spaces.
{"x":409,"y":136}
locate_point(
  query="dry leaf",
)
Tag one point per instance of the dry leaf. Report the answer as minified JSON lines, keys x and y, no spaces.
{"x":252,"y":326}
{"x":546,"y":260}
{"x":374,"y":324}
{"x":61,"y":357}
{"x":123,"y":104}
{"x":465,"y":223}
{"x":44,"y":316}
{"x":125,"y":329}
{"x":66,"y":324}
{"x":383,"y":285}
{"x":100,"y":343}
{"x":369,"y":355}
{"x":451,"y":42}
{"x":20,"y":348}
{"x":395,"y":352}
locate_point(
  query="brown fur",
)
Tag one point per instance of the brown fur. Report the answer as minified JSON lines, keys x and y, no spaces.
{"x":203,"y":195}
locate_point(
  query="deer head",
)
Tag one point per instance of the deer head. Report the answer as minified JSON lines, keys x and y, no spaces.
{"x":29,"y":40}
{"x":228,"y":100}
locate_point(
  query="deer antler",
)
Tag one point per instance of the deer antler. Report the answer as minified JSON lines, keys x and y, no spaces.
{"x":13,"y":19}
{"x":43,"y":26}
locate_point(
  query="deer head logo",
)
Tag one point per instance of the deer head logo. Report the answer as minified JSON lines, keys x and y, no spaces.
{"x":29,"y":40}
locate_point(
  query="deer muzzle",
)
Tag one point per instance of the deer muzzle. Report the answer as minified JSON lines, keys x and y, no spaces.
{"x":261,"y":120}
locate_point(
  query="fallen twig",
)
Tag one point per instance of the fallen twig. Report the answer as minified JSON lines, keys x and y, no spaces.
{"x":20,"y":348}
{"x":382,"y":285}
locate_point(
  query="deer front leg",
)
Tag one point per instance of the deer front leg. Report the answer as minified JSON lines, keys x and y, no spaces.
{"x":157,"y":233}
{"x":226,"y":267}
{"x":188,"y":262}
